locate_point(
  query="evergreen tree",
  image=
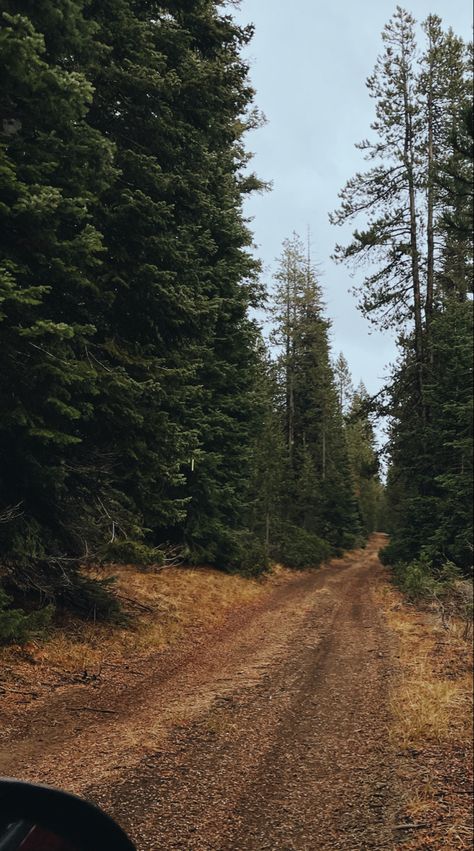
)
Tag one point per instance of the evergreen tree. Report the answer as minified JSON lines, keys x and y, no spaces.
{"x":172,"y":95}
{"x":451,"y":433}
{"x":320,"y":499}
{"x":364,"y":462}
{"x":270,"y":460}
{"x":388,"y":192}
{"x":429,"y":494}
{"x":343,"y":379}
{"x":456,"y":181}
{"x":418,"y":200}
{"x":54,"y":166}
{"x":442,"y":89}
{"x":418,"y":97}
{"x":130,"y":364}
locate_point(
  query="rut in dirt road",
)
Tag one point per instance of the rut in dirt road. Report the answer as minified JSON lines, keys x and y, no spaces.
{"x":295,"y":758}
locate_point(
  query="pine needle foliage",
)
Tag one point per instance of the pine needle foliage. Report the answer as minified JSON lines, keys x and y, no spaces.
{"x":414,"y":204}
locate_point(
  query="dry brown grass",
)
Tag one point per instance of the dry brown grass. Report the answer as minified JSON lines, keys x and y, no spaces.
{"x":432,"y":698}
{"x":175,"y":599}
{"x":431,"y":729}
{"x":426,"y":708}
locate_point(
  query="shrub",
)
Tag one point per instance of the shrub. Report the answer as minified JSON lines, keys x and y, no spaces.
{"x":420,"y":579}
{"x":62,"y":584}
{"x":17,"y":626}
{"x":242,"y":552}
{"x":91,"y":599}
{"x":390,"y":555}
{"x":233,"y":551}
{"x":130,"y":552}
{"x":298,"y":548}
{"x":415,"y":579}
{"x":252,"y":557}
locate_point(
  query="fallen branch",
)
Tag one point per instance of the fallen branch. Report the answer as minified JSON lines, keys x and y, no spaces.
{"x":91,"y":709}
{"x":19,"y":691}
{"x":136,"y":603}
{"x":123,"y":667}
{"x":11,"y":513}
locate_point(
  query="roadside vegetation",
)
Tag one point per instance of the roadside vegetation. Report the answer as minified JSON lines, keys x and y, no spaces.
{"x":157,"y":611}
{"x":431,"y":706}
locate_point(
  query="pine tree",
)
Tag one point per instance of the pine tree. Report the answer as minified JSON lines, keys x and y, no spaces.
{"x":416,"y":200}
{"x":130,"y":362}
{"x":319,"y":498}
{"x":54,"y":166}
{"x":363,"y":460}
{"x":343,"y":382}
{"x":173,"y":96}
{"x":144,"y":345}
{"x":270,"y":470}
{"x":456,"y":180}
{"x":387,"y":192}
{"x":442,"y":89}
{"x":417,"y":98}
{"x":451,"y":426}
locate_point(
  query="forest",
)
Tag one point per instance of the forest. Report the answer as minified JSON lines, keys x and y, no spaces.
{"x":145,"y":416}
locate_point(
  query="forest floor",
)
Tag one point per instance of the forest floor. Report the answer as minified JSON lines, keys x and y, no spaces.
{"x":289,"y":722}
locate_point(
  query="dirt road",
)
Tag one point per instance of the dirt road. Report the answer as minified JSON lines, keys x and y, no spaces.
{"x":271,"y":733}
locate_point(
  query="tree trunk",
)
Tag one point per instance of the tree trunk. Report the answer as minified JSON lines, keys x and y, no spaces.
{"x":324,"y":451}
{"x":430,"y":205}
{"x":290,"y":390}
{"x":267,"y":531}
{"x":415,"y":262}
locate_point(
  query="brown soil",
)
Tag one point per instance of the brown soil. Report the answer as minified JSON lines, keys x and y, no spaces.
{"x":268,"y":732}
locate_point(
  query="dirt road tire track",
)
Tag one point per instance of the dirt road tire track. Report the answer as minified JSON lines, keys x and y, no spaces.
{"x":268,"y":732}
{"x":291,"y":752}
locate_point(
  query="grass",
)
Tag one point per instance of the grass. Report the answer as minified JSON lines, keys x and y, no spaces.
{"x":429,"y":709}
{"x":431,"y":729}
{"x":432,"y":698}
{"x":162,"y":607}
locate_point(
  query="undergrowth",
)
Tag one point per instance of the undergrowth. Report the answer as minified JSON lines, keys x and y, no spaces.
{"x":159,"y":609}
{"x":431,"y":698}
{"x":18,"y":626}
{"x":419,"y":580}
{"x":300,"y":549}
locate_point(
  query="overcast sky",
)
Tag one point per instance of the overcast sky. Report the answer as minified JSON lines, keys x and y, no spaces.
{"x":309,"y":62}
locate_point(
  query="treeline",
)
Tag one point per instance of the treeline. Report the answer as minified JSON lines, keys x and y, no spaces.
{"x":415,"y":206}
{"x":327,"y":492}
{"x":141,"y":418}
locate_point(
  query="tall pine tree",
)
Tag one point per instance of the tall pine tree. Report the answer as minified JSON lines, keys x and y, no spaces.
{"x":54,"y":167}
{"x":415,"y":202}
{"x":320,"y":498}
